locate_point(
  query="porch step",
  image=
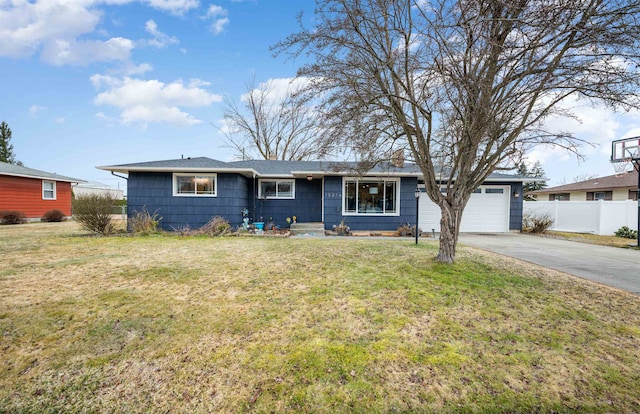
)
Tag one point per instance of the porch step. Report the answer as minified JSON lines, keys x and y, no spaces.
{"x":308,"y":229}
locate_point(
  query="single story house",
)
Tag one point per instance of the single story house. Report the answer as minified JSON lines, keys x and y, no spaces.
{"x":34,"y":192}
{"x":190,"y":191}
{"x":94,"y":187}
{"x":610,"y":188}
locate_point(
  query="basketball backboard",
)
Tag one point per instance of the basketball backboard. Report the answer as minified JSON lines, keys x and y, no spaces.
{"x":625,"y":150}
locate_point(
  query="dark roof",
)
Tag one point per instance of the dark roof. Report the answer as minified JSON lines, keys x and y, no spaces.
{"x":171,"y":165}
{"x":626,"y":180}
{"x":19,"y":171}
{"x":280,"y":168}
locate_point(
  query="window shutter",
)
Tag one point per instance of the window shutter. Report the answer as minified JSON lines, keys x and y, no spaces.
{"x":589,"y":195}
{"x":608,"y":195}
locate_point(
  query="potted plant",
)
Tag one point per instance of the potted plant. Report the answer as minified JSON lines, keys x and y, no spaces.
{"x":341,"y":229}
{"x":259,"y":224}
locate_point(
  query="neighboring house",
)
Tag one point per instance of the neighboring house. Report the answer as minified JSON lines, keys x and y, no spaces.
{"x":610,"y":188}
{"x":189,"y":192}
{"x":93,"y":187}
{"x":34,"y":192}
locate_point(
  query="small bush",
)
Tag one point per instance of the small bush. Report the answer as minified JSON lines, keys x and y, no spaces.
{"x":54,"y":216}
{"x":142,"y":222}
{"x":627,"y":233}
{"x":12,"y":217}
{"x":93,"y":212}
{"x":536,"y":224}
{"x":216,"y":227}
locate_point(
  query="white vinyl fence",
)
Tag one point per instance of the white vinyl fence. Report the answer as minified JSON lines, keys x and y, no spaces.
{"x":597,"y":217}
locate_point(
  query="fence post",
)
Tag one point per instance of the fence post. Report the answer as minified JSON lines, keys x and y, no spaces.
{"x":599,"y":218}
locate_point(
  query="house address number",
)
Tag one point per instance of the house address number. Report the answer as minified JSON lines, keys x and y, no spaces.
{"x":333,"y":195}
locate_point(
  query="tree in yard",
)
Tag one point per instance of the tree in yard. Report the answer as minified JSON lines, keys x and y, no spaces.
{"x":466,"y":85}
{"x":272,"y":121}
{"x":6,"y":149}
{"x":536,"y":171}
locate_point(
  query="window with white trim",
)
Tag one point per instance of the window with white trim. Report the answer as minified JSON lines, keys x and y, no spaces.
{"x":284,"y":189}
{"x":371,"y":196}
{"x":194,"y":185}
{"x":48,"y":190}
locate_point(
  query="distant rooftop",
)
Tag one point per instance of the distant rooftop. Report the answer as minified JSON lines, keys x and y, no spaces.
{"x":625,"y":180}
{"x":19,"y":171}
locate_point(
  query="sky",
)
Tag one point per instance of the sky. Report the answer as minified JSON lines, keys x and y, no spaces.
{"x":86,"y":83}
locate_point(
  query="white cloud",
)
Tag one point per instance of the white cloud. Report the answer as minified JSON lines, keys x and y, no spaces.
{"x":27,"y":26}
{"x":59,"y":120}
{"x":63,"y":52}
{"x":34,"y":109}
{"x":145,"y":101}
{"x":137,"y":69}
{"x":218,"y":14}
{"x":174,"y":6}
{"x":279,"y":88}
{"x":218,"y":26}
{"x":160,"y":40}
{"x":66,"y":31}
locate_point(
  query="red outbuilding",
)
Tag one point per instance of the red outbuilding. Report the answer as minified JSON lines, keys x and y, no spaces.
{"x":34,"y":192}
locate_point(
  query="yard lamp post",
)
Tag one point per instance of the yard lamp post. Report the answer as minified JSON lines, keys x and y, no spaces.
{"x":417,"y":194}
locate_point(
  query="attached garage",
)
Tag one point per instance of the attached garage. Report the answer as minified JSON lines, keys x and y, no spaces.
{"x":487,"y":211}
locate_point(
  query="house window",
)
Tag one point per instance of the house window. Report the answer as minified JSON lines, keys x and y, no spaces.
{"x":371,"y":196}
{"x":633,"y":195}
{"x":277,"y":189}
{"x":599,"y":195}
{"x":559,"y":197}
{"x":48,"y":190}
{"x":195,"y":185}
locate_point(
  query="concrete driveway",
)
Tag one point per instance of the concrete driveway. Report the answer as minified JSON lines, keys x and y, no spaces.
{"x":611,"y":266}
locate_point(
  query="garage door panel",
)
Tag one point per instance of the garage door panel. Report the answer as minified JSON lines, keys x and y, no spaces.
{"x":486,"y":211}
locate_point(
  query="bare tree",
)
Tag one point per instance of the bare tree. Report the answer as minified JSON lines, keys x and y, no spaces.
{"x":465,"y":84}
{"x":273,"y":121}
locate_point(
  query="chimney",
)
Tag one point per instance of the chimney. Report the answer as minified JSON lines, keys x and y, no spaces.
{"x":273,"y":157}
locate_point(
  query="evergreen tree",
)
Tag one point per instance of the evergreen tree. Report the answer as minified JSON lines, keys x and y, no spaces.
{"x":536,"y":172}
{"x":6,"y":149}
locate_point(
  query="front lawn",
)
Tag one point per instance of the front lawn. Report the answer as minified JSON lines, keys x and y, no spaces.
{"x":170,"y":324}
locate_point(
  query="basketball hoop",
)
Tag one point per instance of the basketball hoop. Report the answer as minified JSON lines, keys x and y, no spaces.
{"x":625,"y":155}
{"x":622,"y":166}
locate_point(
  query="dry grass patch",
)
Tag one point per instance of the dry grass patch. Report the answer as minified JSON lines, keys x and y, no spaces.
{"x":175,"y":324}
{"x":612,"y":241}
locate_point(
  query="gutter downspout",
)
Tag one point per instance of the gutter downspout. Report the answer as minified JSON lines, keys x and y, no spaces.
{"x":119,"y":176}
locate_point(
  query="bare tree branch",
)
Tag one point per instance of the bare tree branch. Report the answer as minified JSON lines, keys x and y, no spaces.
{"x":273,"y":123}
{"x":465,"y":86}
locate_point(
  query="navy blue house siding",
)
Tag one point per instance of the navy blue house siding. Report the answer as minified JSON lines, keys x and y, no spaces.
{"x":516,"y":206}
{"x":307,"y":205}
{"x":333,"y":207}
{"x":154,"y":191}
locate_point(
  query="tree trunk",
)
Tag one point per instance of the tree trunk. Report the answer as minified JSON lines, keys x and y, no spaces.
{"x":449,"y":228}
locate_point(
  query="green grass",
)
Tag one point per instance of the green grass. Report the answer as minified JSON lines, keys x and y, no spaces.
{"x":170,"y":324}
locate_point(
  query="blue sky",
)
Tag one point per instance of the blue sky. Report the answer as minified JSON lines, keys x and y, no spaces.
{"x":85,"y":83}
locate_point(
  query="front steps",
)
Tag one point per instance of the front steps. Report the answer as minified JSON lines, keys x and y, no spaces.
{"x":307,"y":229}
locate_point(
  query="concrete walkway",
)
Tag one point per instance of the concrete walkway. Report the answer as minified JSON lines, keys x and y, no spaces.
{"x":611,"y":266}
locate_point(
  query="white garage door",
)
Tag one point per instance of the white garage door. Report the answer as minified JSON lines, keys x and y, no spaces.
{"x":487,"y":211}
